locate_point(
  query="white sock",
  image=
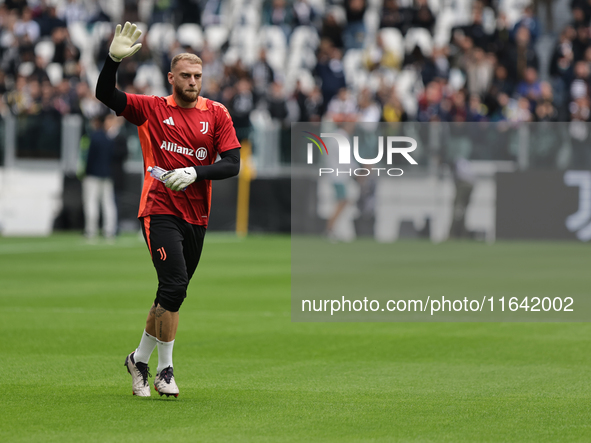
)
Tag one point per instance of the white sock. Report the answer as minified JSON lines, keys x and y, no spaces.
{"x":164,"y":354}
{"x":145,"y":349}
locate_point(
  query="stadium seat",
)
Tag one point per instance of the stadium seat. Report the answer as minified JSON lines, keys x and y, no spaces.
{"x":393,"y":40}
{"x":216,"y":36}
{"x":273,"y":40}
{"x":419,"y":37}
{"x":303,"y":36}
{"x":79,"y":35}
{"x":26,"y":68}
{"x":55,"y":72}
{"x":244,"y":39}
{"x":355,"y":73}
{"x":45,"y":49}
{"x":150,"y":75}
{"x":446,"y":20}
{"x":161,"y":36}
{"x":190,"y":34}
{"x":372,"y":24}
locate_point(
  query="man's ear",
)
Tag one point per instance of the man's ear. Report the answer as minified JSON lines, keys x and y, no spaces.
{"x":170,"y":77}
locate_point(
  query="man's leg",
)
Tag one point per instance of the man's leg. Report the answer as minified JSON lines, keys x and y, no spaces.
{"x":137,"y":362}
{"x":164,"y":236}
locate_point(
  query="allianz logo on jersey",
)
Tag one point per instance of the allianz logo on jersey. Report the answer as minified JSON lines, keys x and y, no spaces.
{"x":200,"y":154}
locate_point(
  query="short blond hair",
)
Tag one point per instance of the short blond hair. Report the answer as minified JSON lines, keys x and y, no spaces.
{"x":191,"y":58}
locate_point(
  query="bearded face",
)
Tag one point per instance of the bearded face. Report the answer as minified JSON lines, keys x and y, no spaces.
{"x":187,"y":93}
{"x":186,"y":81}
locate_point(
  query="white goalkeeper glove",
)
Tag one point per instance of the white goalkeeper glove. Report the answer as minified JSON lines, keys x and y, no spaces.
{"x":121,"y":44}
{"x":179,"y":179}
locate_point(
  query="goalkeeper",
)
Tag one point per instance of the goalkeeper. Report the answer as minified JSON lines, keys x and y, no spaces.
{"x":182,"y":133}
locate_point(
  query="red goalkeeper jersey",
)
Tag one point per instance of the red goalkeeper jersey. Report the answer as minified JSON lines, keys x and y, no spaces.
{"x":174,"y":137}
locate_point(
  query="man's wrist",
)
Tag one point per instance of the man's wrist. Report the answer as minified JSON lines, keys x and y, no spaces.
{"x":115,"y":59}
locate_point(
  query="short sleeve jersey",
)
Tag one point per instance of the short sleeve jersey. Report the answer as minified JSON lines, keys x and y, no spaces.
{"x":173,"y":137}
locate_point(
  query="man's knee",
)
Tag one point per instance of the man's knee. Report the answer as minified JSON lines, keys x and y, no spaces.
{"x":171,"y":297}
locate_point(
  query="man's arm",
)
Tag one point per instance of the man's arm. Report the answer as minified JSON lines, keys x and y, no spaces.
{"x":227,"y":167}
{"x":106,"y":91}
{"x":121,"y":47}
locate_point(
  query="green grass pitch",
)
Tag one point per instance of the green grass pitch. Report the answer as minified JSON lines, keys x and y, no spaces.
{"x":71,"y":312}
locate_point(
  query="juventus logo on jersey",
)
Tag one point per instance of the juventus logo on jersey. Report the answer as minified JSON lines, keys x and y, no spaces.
{"x":204,"y":127}
{"x":168,"y":121}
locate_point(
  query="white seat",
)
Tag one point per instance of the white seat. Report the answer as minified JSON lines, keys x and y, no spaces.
{"x":25,"y":69}
{"x":161,"y":36}
{"x":79,"y":35}
{"x":273,"y":40}
{"x":246,"y":42}
{"x":419,"y":37}
{"x":272,"y":37}
{"x":149,"y":75}
{"x":190,"y":34}
{"x":216,"y":36}
{"x":55,"y":72}
{"x":45,"y":49}
{"x":355,"y":73}
{"x":393,"y":41}
{"x":302,"y":37}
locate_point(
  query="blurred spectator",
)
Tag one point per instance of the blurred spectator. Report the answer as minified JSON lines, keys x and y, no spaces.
{"x":521,"y":55}
{"x":27,"y":26}
{"x":97,"y":185}
{"x":530,"y":22}
{"x":477,"y":111}
{"x":529,"y":87}
{"x":354,"y":33}
{"x":188,"y":11}
{"x":342,"y":107}
{"x":73,"y":11}
{"x":581,"y":42}
{"x":378,"y":57}
{"x":242,"y":104}
{"x":392,"y":110}
{"x":562,"y":63}
{"x":394,"y":16}
{"x":479,"y":70}
{"x":458,"y":111}
{"x":276,"y":102}
{"x":332,"y":29}
{"x":262,"y":74}
{"x":304,"y":13}
{"x":48,"y":20}
{"x":114,"y":129}
{"x":500,"y":85}
{"x":579,"y":18}
{"x":368,"y":111}
{"x":474,"y":31}
{"x":330,"y":73}
{"x":580,"y":85}
{"x":464,"y":179}
{"x":309,"y":105}
{"x":429,"y":103}
{"x":278,"y":13}
{"x":423,"y":17}
{"x":64,"y":48}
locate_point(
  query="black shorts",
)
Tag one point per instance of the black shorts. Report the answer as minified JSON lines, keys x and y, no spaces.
{"x":175,"y":247}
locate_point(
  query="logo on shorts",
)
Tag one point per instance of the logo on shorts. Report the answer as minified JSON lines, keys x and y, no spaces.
{"x":162,"y":253}
{"x":201,"y":153}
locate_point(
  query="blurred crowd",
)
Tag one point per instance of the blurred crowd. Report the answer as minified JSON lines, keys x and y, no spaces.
{"x":398,"y":69}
